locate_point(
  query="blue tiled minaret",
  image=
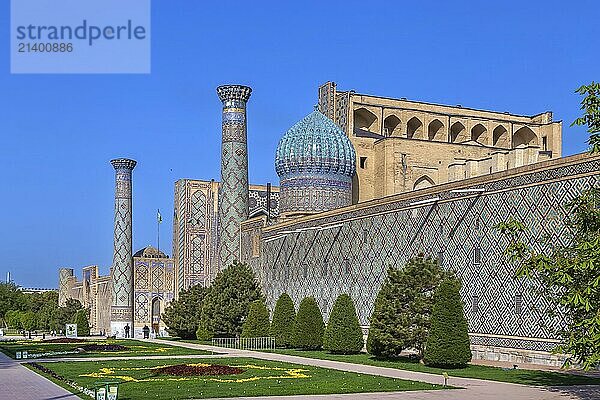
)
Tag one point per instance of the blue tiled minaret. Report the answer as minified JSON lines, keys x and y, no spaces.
{"x":121,"y":311}
{"x":233,"y":192}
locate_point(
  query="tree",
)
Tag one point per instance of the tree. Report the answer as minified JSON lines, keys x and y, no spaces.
{"x":182,"y":315}
{"x":308,"y":326}
{"x":28,"y":321}
{"x":11,"y":299}
{"x":343,"y":334}
{"x":403,"y":306}
{"x":13,"y":319}
{"x":226,"y":304}
{"x":64,"y":315}
{"x":570,"y":273}
{"x":448,"y":344}
{"x":282,"y":327}
{"x":257,"y":323}
{"x":591,"y":117}
{"x":82,"y":321}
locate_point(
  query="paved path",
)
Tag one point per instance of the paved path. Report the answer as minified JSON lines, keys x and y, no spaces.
{"x":472,"y":389}
{"x":19,"y":383}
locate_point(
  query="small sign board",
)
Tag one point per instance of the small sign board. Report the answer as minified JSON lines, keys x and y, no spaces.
{"x":25,"y":354}
{"x":18,"y":355}
{"x":71,"y":331}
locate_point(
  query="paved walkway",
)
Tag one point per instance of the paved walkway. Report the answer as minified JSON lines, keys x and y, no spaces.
{"x":19,"y":383}
{"x":472,"y":389}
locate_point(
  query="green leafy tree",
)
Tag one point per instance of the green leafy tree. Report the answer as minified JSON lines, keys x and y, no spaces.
{"x":570,"y":273}
{"x":282,"y":326}
{"x":403,"y":306}
{"x":591,"y":117}
{"x":257,"y":323}
{"x":226,"y":304}
{"x":308,"y":326}
{"x":44,"y":305}
{"x":64,"y":315}
{"x":448,"y":343}
{"x":343,"y":334}
{"x":13,"y":319}
{"x":82,"y":321}
{"x":182,"y":315}
{"x":11,"y":299}
{"x":28,"y":321}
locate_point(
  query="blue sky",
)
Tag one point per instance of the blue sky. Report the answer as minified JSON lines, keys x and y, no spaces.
{"x":60,"y":131}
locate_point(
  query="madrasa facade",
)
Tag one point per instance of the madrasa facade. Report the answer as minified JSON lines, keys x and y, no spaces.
{"x":366,"y":183}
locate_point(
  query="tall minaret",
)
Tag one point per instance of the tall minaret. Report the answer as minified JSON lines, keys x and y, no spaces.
{"x":233,"y":192}
{"x":121,"y":311}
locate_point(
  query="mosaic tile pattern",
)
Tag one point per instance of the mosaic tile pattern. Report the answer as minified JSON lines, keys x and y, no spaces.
{"x":122,"y":273}
{"x":315,"y":162}
{"x":195,"y":245}
{"x":154,"y":278}
{"x":233,"y":192}
{"x":349,"y":251}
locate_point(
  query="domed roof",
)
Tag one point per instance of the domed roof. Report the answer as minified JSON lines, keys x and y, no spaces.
{"x":150,"y":252}
{"x":315,"y":145}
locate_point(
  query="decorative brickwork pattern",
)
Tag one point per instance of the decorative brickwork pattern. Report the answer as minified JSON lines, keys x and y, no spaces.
{"x":122,"y":273}
{"x":233,"y":192}
{"x":348,"y":251}
{"x":195,"y":225}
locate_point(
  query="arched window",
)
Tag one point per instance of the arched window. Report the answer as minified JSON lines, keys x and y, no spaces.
{"x":435,"y":131}
{"x":414,"y":128}
{"x":458,"y":133}
{"x":479,"y":134}
{"x":391,"y":126}
{"x":500,"y":136}
{"x":365,"y":119}
{"x":423,"y":182}
{"x":524,"y":136}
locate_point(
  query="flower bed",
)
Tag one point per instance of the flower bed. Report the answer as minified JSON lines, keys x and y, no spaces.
{"x":104,"y":347}
{"x":60,"y":378}
{"x":197,"y":370}
{"x":64,"y":340}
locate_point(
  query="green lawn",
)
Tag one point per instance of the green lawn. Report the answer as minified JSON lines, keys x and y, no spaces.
{"x":261,"y":378}
{"x":522,"y":376}
{"x":135,"y":348}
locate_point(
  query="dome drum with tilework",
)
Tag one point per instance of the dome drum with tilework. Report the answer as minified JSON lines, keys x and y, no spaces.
{"x":315,"y":162}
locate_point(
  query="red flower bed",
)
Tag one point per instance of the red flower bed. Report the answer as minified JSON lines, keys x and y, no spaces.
{"x":197,"y":370}
{"x":104,"y":347}
{"x":64,"y":340}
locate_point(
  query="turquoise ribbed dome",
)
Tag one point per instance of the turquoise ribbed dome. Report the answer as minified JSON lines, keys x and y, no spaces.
{"x":315,"y":144}
{"x":315,"y":161}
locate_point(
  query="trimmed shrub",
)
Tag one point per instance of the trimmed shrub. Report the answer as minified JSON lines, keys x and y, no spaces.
{"x":202,"y":334}
{"x":403,"y":306}
{"x":227,"y":302}
{"x":448,"y":343}
{"x":308,"y":326}
{"x":343,"y":334}
{"x":282,"y":326}
{"x":83,"y":324}
{"x":257,"y":323}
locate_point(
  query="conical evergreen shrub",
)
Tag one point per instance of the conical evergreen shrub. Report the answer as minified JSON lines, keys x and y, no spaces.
{"x":343,"y":334}
{"x":308,"y":326}
{"x":448,"y":343}
{"x":402,"y":311}
{"x":257,"y":323}
{"x":282,"y":326}
{"x":83,"y":323}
